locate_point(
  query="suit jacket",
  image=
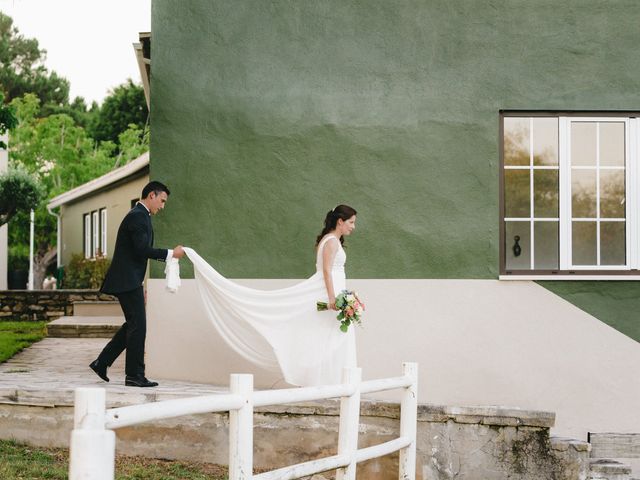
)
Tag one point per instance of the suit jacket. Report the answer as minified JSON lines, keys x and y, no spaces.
{"x":134,"y":246}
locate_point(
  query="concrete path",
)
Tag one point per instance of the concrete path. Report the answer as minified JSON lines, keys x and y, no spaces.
{"x":49,"y":371}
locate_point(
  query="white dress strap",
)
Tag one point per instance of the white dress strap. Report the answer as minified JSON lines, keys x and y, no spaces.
{"x":325,"y":240}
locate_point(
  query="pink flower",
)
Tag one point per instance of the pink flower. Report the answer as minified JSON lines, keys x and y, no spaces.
{"x":349,"y":311}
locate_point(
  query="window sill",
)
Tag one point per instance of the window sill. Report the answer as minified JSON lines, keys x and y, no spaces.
{"x":575,"y":277}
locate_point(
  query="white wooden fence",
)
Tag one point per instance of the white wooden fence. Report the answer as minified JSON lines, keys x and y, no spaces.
{"x":92,"y":449}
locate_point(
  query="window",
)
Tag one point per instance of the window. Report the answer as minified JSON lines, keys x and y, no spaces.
{"x":87,"y":235}
{"x":103,"y":231}
{"x":569,"y":204}
{"x":96,"y":233}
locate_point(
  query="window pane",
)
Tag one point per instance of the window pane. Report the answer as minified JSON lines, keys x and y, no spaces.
{"x":612,"y":194}
{"x":583,"y":193}
{"x":545,"y":141}
{"x":583,"y":143}
{"x":516,"y":193}
{"x":545,"y":193}
{"x":584,"y":243}
{"x":521,"y":230}
{"x":516,"y":141}
{"x":546,"y":245}
{"x":87,"y":236}
{"x":612,"y":144}
{"x":612,"y":243}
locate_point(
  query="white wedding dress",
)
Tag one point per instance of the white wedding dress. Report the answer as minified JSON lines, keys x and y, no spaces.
{"x":281,"y":329}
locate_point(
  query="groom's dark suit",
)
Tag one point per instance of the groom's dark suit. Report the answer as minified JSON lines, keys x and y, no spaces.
{"x":134,"y":246}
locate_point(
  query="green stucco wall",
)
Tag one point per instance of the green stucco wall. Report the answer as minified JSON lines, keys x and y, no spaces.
{"x":265,"y":114}
{"x":617,"y":303}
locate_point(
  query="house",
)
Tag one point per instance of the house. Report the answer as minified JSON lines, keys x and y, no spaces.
{"x":492,"y":153}
{"x":89,"y":215}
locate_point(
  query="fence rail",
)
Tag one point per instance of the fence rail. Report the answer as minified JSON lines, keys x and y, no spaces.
{"x":92,"y":447}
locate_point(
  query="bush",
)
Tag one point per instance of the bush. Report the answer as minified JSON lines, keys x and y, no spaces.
{"x":18,"y":258}
{"x":19,"y":191}
{"x":85,"y":272}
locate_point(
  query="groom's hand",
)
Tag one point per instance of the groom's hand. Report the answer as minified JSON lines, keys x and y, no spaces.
{"x":178,"y":252}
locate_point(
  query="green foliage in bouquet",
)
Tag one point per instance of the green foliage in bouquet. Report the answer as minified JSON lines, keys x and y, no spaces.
{"x":85,"y":272}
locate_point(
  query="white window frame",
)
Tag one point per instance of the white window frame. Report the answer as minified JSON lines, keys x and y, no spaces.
{"x":632,"y":203}
{"x":103,"y":231}
{"x":86,"y":219}
{"x":95,"y":224}
{"x":631,"y":159}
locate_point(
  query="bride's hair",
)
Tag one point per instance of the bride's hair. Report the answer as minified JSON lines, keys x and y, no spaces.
{"x":344,"y":212}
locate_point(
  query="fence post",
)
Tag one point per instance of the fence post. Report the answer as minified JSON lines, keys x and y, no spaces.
{"x":409,"y":423}
{"x":92,"y":449}
{"x":349,"y":423}
{"x":241,"y":430}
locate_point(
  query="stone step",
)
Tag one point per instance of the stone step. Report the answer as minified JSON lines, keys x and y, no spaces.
{"x":97,"y":309}
{"x":605,"y":469}
{"x":614,"y":445}
{"x":85,"y":327}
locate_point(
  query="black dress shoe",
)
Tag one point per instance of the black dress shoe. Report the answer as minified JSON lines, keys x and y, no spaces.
{"x":139,"y":381}
{"x":101,"y":370}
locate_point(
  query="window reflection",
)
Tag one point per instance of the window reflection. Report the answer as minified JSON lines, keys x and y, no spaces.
{"x":612,"y":144}
{"x":583,"y":193}
{"x":612,"y":243}
{"x":545,"y":193}
{"x":522,"y":230}
{"x":583,"y":143}
{"x":545,"y":141}
{"x":516,"y":195}
{"x":584,"y":243}
{"x":516,"y":141}
{"x":546,"y":245}
{"x":612,"y":194}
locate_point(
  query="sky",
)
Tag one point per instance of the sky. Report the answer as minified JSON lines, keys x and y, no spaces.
{"x":89,"y":42}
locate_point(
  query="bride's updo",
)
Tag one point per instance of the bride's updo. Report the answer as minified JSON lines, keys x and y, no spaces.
{"x":344,"y":212}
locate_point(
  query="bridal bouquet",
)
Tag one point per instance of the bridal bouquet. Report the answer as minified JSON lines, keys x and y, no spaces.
{"x":350,"y":309}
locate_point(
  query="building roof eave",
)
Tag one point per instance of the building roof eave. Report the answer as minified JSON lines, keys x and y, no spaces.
{"x":101,"y":182}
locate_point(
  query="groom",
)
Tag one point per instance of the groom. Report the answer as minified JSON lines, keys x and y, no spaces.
{"x":134,"y":246}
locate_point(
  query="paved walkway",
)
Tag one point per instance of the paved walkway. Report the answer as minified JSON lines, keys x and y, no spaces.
{"x":48,"y":372}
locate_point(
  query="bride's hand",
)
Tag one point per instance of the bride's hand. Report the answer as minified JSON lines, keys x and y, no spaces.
{"x":332,"y":304}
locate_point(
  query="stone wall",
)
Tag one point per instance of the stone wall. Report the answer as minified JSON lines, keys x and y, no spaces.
{"x":43,"y":304}
{"x":471,"y":443}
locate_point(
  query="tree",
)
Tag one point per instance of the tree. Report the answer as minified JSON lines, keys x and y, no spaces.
{"x":22,"y":68}
{"x":19,"y":191}
{"x":8,"y":119}
{"x":61,"y":156}
{"x":125,"y":106}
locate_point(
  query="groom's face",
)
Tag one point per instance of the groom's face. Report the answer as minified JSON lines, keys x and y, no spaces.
{"x":157,"y":202}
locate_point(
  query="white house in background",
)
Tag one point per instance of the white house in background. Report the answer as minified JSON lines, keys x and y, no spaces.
{"x":89,"y":215}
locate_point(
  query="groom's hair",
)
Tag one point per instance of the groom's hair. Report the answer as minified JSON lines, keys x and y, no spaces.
{"x":156,"y":187}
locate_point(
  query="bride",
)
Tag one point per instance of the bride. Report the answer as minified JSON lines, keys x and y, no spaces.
{"x":282,"y":329}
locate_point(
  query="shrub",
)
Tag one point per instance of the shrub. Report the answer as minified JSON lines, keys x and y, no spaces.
{"x":85,"y":272}
{"x":19,"y":191}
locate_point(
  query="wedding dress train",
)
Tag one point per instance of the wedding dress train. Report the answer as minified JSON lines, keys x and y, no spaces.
{"x":281,"y":329}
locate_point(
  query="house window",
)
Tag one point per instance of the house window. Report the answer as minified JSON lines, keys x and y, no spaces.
{"x":569,"y":205}
{"x":103,"y":231}
{"x":87,"y":235}
{"x":96,"y":233}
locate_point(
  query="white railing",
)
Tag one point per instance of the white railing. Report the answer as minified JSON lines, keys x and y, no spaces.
{"x":92,"y":448}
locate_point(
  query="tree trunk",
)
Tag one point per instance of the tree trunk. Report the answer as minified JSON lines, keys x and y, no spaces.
{"x":41,"y":262}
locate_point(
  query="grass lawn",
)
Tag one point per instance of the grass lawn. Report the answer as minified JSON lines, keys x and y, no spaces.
{"x":15,"y":336}
{"x":19,"y":461}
